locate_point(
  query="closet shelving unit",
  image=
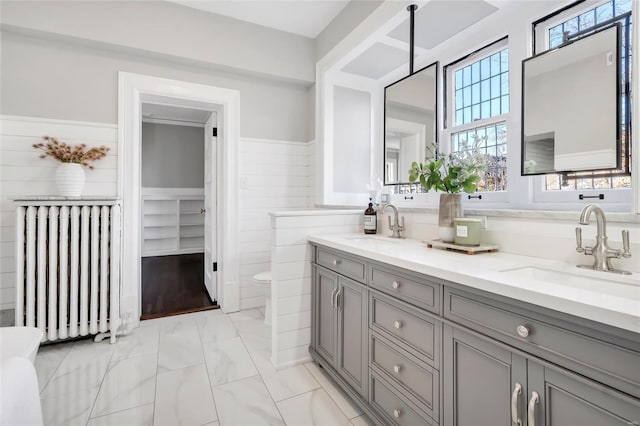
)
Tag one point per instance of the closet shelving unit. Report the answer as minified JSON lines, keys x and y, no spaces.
{"x":172,"y":221}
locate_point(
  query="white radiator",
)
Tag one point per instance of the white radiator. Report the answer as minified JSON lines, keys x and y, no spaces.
{"x":68,"y":268}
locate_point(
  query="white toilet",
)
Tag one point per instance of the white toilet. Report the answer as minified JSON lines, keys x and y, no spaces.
{"x":263,"y":279}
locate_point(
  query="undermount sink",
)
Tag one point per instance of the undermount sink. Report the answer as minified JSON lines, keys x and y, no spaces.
{"x":580,"y":278}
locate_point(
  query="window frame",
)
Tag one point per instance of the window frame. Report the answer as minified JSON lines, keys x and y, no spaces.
{"x":615,"y":199}
{"x":487,"y":198}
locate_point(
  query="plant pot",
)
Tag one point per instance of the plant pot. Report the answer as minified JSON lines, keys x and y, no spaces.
{"x":450,"y":208}
{"x":70,"y":179}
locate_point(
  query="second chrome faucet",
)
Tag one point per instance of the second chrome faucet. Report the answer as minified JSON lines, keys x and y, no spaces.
{"x":398,"y":224}
{"x":601,"y":252}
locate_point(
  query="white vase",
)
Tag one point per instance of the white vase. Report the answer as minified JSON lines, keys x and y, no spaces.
{"x":70,"y":179}
{"x":450,"y":208}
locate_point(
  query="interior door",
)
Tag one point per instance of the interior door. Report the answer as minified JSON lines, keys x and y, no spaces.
{"x":210,"y":207}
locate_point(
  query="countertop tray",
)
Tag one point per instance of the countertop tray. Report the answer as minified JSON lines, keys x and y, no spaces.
{"x":482,"y":248}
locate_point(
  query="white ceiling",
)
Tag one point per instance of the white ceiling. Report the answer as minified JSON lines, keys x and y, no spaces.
{"x":439,"y":20}
{"x":304,"y":17}
{"x":435,"y":22}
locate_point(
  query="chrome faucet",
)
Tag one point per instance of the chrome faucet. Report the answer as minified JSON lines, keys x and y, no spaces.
{"x":601,"y":252}
{"x":396,"y":228}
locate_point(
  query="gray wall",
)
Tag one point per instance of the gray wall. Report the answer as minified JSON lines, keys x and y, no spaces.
{"x":62,"y":80}
{"x":165,"y":28}
{"x":172,"y":156}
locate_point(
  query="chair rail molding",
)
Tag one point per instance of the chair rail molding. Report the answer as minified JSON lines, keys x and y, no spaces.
{"x":132,"y":91}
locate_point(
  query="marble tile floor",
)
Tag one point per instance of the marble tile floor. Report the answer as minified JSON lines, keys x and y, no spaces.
{"x":205,"y":368}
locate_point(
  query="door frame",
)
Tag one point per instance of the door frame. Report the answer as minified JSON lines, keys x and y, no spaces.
{"x":131,"y":88}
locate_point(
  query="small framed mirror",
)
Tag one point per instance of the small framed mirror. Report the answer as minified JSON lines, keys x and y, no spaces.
{"x":410,"y":122}
{"x":571,"y":106}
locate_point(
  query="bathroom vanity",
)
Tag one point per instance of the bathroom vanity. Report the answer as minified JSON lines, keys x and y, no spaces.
{"x":423,"y":336}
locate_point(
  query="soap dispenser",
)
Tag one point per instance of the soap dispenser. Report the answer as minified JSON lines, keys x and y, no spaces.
{"x":370,"y":219}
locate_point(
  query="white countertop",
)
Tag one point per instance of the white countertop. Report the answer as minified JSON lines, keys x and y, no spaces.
{"x":599,"y":296}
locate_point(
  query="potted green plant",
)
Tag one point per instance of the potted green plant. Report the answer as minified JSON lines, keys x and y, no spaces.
{"x":70,"y":174}
{"x":451,"y":174}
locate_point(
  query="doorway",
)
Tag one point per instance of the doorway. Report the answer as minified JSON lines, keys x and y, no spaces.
{"x":178,"y":207}
{"x":132,"y":90}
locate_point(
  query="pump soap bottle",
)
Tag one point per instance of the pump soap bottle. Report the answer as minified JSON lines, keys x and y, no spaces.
{"x":370,"y":219}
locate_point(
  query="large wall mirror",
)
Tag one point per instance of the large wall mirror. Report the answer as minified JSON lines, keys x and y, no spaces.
{"x":571,"y":106}
{"x":410,"y":123}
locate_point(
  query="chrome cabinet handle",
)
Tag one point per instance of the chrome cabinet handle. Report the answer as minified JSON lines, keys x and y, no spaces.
{"x":522,"y":330}
{"x":397,"y":368}
{"x":397,"y":413}
{"x":515,"y":397}
{"x":395,"y":285}
{"x":336,"y":262}
{"x":398,"y":324}
{"x":338,"y":294}
{"x":333,"y":293}
{"x":531,"y":409}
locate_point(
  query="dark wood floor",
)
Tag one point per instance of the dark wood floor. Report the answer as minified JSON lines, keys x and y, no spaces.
{"x":173,"y":285}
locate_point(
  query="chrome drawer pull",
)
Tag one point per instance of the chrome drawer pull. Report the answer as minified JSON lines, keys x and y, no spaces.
{"x":397,"y":413}
{"x":395,"y":285}
{"x":523,"y":331}
{"x":531,"y":409}
{"x":398,"y":324}
{"x":397,"y":368}
{"x":336,"y":262}
{"x":515,"y":396}
{"x":333,"y":293}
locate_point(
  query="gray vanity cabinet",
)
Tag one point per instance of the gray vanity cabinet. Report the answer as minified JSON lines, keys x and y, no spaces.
{"x":487,"y":384}
{"x":340,"y":326}
{"x":352,"y":362}
{"x":564,"y":398}
{"x":415,"y":350}
{"x":479,"y":380}
{"x":325,"y":329}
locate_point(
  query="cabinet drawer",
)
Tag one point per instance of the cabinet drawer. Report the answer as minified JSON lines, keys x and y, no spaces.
{"x":420,"y":380}
{"x":393,"y":406}
{"x":421,"y":292}
{"x":608,"y":363}
{"x":349,"y":267}
{"x":406,"y":325}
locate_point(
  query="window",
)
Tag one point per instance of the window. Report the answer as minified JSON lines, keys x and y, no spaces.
{"x":478,"y":103}
{"x":552,"y":33}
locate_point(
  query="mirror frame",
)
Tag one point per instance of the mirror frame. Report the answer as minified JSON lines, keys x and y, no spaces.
{"x":618,"y":165}
{"x":384,"y":122}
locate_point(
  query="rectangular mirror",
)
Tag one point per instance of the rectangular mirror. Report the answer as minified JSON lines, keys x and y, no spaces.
{"x":410,"y":122}
{"x":571,"y":106}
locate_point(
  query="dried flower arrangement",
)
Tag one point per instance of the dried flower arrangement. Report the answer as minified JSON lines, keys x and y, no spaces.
{"x":70,"y":154}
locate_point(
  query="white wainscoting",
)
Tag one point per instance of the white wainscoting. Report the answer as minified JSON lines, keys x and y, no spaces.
{"x":23,"y":174}
{"x":274,"y":175}
{"x":291,"y":277}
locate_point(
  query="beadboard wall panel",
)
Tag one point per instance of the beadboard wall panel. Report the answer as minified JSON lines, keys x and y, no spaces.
{"x":274,"y":175}
{"x":23,"y":174}
{"x":291,"y":257}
